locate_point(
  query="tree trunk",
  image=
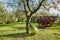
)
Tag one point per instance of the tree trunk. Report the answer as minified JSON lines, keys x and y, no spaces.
{"x":27,"y":24}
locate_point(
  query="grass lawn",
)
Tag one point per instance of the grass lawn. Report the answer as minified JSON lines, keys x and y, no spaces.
{"x":17,"y":31}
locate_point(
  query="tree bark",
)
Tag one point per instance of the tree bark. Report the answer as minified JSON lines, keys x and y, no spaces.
{"x":27,"y":25}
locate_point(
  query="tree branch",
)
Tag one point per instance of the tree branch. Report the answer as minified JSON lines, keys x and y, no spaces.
{"x":25,"y":10}
{"x":28,"y":5}
{"x":45,"y":7}
{"x":40,"y":4}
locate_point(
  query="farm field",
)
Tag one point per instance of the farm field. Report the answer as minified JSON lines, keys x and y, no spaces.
{"x":29,"y":19}
{"x":17,"y":31}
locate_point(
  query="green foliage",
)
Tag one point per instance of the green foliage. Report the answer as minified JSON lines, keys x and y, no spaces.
{"x":33,"y":19}
{"x":2,"y":8}
{"x":12,"y":18}
{"x":21,"y":16}
{"x":7,"y":18}
{"x":4,"y":17}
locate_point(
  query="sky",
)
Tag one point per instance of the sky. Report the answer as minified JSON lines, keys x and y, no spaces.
{"x":55,"y":11}
{"x":10,"y":5}
{"x":10,"y":2}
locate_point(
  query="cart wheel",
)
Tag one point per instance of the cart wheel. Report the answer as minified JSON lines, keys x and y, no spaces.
{"x":42,"y":26}
{"x":49,"y":25}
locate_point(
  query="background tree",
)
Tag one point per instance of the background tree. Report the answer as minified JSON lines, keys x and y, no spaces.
{"x":2,"y":14}
{"x":5,"y":16}
{"x":20,"y":16}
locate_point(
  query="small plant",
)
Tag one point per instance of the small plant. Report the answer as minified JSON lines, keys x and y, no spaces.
{"x":32,"y":30}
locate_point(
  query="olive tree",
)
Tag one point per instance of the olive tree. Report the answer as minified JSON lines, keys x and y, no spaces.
{"x":29,"y":11}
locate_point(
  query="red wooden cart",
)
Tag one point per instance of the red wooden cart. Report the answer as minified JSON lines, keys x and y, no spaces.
{"x":45,"y":21}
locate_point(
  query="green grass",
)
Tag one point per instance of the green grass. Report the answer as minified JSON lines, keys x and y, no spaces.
{"x":16,"y":31}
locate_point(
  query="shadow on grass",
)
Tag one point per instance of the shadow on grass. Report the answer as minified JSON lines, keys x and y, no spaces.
{"x":16,"y":35}
{"x":39,"y":27}
{"x":54,"y":28}
{"x":19,"y":28}
{"x":58,"y":34}
{"x":3,"y":25}
{"x":10,"y":24}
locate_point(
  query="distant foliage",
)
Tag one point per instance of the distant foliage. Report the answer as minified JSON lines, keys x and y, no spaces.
{"x":33,"y":19}
{"x":11,"y":19}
